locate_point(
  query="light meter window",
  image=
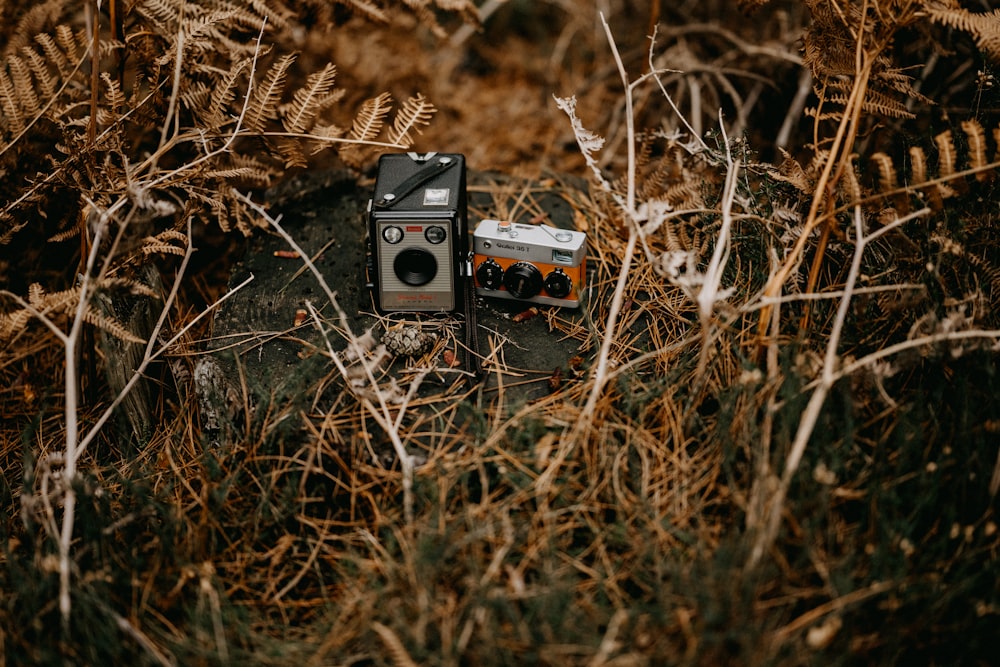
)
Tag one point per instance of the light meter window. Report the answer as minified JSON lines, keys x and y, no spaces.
{"x":392,"y":234}
{"x":562,"y":257}
{"x":435,"y":234}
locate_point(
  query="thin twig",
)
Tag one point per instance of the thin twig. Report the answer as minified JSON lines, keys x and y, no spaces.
{"x":382,"y":416}
{"x":600,"y":374}
{"x":828,"y":377}
{"x":710,"y":292}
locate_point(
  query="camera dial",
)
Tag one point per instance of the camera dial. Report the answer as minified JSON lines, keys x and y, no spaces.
{"x":558,"y":284}
{"x":490,"y":274}
{"x":523,"y":280}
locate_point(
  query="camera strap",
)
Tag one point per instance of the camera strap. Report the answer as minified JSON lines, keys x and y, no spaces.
{"x":418,"y":178}
{"x":472,"y":356}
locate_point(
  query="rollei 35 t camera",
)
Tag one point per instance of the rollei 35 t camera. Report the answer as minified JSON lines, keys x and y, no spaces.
{"x":534,"y":263}
{"x":417,"y":232}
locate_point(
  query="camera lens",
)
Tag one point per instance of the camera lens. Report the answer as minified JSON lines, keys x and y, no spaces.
{"x":415,"y":267}
{"x":523,"y":280}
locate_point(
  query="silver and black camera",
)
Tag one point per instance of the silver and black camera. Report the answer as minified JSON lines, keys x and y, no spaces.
{"x":536,"y":263}
{"x":417,"y":232}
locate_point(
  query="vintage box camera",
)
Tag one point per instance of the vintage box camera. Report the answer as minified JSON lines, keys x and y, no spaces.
{"x":417,"y":232}
{"x":534,"y":263}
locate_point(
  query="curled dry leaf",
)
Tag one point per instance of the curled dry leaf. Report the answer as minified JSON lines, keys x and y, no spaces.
{"x":555,"y":380}
{"x":525,"y":315}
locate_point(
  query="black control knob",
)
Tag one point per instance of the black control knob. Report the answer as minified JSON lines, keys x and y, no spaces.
{"x":489,"y":274}
{"x":523,"y":280}
{"x":558,"y":284}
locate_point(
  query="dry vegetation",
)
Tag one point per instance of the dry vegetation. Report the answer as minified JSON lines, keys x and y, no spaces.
{"x":780,"y":446}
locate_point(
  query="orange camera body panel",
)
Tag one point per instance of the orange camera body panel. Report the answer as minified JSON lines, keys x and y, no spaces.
{"x":534,"y":263}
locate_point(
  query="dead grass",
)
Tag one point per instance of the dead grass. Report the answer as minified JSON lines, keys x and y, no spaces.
{"x":779,"y":447}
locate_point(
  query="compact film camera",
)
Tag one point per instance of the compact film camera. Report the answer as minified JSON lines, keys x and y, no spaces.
{"x":536,"y":263}
{"x":417,"y":232}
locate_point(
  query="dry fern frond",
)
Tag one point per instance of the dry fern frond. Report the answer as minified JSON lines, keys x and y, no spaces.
{"x":110,"y":325}
{"x":62,"y":304}
{"x":685,"y":195}
{"x":989,"y":271}
{"x":267,"y":96}
{"x":830,"y":50}
{"x":224,"y":94}
{"x":920,"y":174}
{"x":876,"y":102}
{"x":243,"y":169}
{"x":44,"y":80}
{"x":370,"y":119}
{"x":69,"y":233}
{"x":197,"y":96}
{"x":887,"y":180}
{"x":366,"y":9}
{"x":299,"y":115}
{"x":791,"y":172}
{"x":130,"y":285}
{"x":38,"y":18}
{"x":947,"y":158}
{"x":367,"y":125}
{"x":983,"y":28}
{"x":394,"y":646}
{"x":20,"y":74}
{"x":851,"y":184}
{"x":64,"y":50}
{"x":14,"y":119}
{"x":151,"y":247}
{"x":331,"y":131}
{"x":27,"y":84}
{"x":163,"y":243}
{"x":918,"y":165}
{"x":884,"y":105}
{"x":416,"y":111}
{"x":72,"y":42}
{"x":116,"y":99}
{"x":424,"y":11}
{"x":976,"y":137}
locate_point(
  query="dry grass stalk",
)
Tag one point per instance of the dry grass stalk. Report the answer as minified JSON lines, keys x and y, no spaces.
{"x":359,"y":353}
{"x":768,"y":529}
{"x":628,"y":550}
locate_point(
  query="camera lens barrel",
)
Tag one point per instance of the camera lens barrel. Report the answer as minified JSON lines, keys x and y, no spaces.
{"x":523,"y":280}
{"x":415,"y":266}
